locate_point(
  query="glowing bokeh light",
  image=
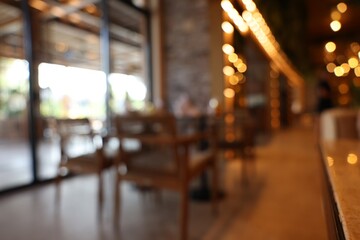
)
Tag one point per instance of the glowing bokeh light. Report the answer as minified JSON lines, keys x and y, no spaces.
{"x":353,"y":62}
{"x":330,"y":67}
{"x":227,"y":48}
{"x":229,"y":93}
{"x":330,"y":47}
{"x":342,"y":7}
{"x":227,"y":27}
{"x":335,"y":15}
{"x":335,"y":25}
{"x":228,"y":71}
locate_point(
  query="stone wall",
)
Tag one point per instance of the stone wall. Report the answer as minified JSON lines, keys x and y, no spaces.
{"x":187,"y":50}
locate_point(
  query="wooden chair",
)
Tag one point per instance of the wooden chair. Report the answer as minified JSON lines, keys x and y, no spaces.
{"x":82,"y":151}
{"x":236,"y":133}
{"x":153,"y":153}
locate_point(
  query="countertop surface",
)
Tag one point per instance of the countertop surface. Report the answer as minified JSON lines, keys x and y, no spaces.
{"x":342,"y":161}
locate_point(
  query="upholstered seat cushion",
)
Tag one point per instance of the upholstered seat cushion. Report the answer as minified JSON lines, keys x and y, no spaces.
{"x":164,"y":160}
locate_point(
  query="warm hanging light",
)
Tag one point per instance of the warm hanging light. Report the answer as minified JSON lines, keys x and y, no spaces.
{"x":342,"y":7}
{"x":228,"y":71}
{"x":227,"y":27}
{"x":238,"y":62}
{"x":227,"y":48}
{"x":267,"y":41}
{"x":335,"y":15}
{"x":226,"y":5}
{"x":330,"y":67}
{"x":357,"y":71}
{"x":339,"y":71}
{"x":229,"y":93}
{"x":346,"y":67}
{"x":251,"y":19}
{"x":233,"y":57}
{"x":234,"y":79}
{"x":353,"y":62}
{"x":330,"y":47}
{"x":234,"y":16}
{"x":335,"y":25}
{"x":242,"y":68}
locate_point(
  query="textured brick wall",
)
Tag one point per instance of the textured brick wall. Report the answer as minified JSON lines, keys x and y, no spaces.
{"x":187,"y":50}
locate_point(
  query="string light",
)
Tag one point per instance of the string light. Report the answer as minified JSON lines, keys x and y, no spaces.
{"x":267,"y":41}
{"x":252,"y":19}
{"x":227,"y":48}
{"x":234,"y":16}
{"x":227,"y":27}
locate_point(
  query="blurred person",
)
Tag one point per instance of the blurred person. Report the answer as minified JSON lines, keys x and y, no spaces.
{"x":324,"y":97}
{"x":185,"y":107}
{"x":324,"y":102}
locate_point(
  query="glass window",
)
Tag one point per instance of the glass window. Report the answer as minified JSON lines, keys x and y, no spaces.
{"x":71,"y":83}
{"x":70,"y":78}
{"x":128,"y":92}
{"x":72,"y":93}
{"x":128,"y":78}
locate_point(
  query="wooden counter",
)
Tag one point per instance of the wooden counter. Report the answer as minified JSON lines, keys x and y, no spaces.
{"x":341,"y":160}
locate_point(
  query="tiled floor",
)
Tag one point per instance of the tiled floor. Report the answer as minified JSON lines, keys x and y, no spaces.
{"x":281,"y":202}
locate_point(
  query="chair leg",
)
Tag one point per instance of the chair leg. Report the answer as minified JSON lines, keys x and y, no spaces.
{"x":100,"y":194}
{"x":117,"y":202}
{"x":184,"y":212}
{"x":214,"y":191}
{"x":57,"y":187}
{"x":100,"y":190}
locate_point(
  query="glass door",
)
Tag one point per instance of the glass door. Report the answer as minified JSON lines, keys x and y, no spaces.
{"x":15,"y":151}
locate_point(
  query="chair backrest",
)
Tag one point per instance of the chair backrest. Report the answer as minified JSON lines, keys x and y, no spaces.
{"x":76,"y":137}
{"x":147,"y":142}
{"x":147,"y":124}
